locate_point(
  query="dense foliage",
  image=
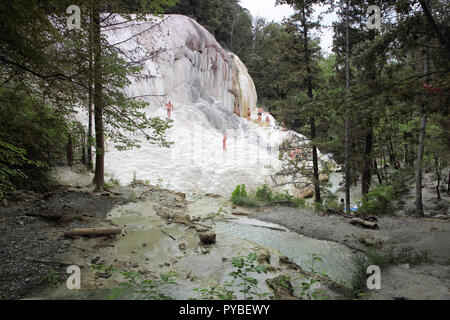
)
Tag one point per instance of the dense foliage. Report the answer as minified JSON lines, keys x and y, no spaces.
{"x":49,"y":73}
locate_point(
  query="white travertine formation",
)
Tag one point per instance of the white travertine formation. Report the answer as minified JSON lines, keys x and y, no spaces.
{"x":186,"y":64}
{"x":183,"y":63}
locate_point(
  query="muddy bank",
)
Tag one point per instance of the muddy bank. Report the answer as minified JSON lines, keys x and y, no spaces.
{"x":33,"y":226}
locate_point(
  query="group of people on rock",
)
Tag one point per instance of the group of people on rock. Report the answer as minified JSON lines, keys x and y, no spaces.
{"x":169,"y":107}
{"x":260,"y":115}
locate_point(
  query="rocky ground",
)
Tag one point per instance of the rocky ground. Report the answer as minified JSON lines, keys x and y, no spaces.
{"x":431,"y":234}
{"x":32,"y":227}
{"x":34,"y":253}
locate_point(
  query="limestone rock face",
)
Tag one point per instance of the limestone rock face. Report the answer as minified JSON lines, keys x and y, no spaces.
{"x":185,"y":64}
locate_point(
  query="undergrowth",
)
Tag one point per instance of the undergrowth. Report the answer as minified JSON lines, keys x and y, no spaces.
{"x":264,"y":195}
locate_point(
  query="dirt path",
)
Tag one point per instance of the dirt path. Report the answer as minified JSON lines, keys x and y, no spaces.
{"x":421,"y":234}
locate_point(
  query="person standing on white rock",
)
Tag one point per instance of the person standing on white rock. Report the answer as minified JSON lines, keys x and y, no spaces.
{"x":169,"y":109}
{"x":224,"y":142}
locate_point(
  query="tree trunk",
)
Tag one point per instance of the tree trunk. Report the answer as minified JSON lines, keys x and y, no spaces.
{"x":392,"y":158}
{"x":83,"y":148}
{"x":367,"y":172}
{"x":385,"y":167}
{"x":438,"y":173}
{"x":90,"y":165}
{"x":448,"y":184}
{"x":364,"y":223}
{"x":315,"y":163}
{"x":232,"y":29}
{"x":48,"y":153}
{"x":99,"y":179}
{"x":347,"y":120}
{"x":406,"y":159}
{"x":310,"y":95}
{"x":69,"y":148}
{"x":375,"y":166}
{"x":419,"y":164}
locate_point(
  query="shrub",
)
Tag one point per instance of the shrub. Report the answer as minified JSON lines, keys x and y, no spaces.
{"x":15,"y":167}
{"x":243,"y":267}
{"x":378,"y":201}
{"x":287,"y":197}
{"x":32,"y":136}
{"x":318,"y":206}
{"x":264,"y":193}
{"x":240,"y":197}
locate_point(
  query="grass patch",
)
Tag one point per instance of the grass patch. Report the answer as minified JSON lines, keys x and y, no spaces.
{"x":382,"y":259}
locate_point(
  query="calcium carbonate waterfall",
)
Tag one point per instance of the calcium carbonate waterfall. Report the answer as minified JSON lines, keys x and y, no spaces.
{"x":184,"y":64}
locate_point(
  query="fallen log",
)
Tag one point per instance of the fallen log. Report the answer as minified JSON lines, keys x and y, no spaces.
{"x":259,"y":226}
{"x":51,"y":262}
{"x":364,"y":223}
{"x":240,"y":213}
{"x":93,"y":232}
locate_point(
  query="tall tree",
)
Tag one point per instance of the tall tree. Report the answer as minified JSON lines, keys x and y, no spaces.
{"x":99,"y":177}
{"x":347,"y":119}
{"x":421,"y":146}
{"x":304,"y":12}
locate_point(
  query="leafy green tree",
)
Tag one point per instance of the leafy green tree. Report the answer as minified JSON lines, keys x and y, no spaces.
{"x":63,"y":67}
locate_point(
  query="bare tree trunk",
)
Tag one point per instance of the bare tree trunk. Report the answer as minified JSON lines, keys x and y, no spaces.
{"x":367,"y":172}
{"x":438,"y":173}
{"x":375,"y":166}
{"x":99,"y":179}
{"x":90,"y":165}
{"x":406,"y":158}
{"x":315,"y":163}
{"x":419,"y":164}
{"x":312,"y":120}
{"x":448,"y":184}
{"x":419,"y":204}
{"x":392,"y":157}
{"x":69,"y":148}
{"x":347,"y":120}
{"x":83,"y":148}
